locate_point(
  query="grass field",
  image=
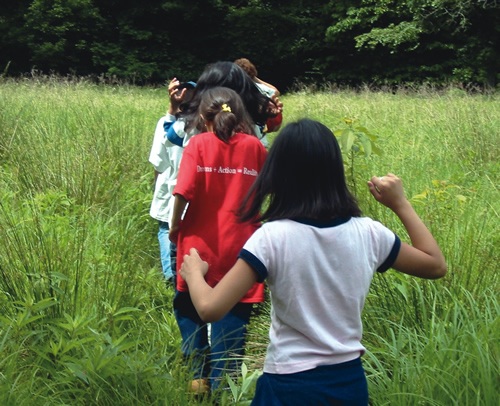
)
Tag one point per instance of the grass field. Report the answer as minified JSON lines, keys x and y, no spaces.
{"x":86,"y":318}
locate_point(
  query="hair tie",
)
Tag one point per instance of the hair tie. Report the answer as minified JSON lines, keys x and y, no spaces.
{"x":226,"y":108}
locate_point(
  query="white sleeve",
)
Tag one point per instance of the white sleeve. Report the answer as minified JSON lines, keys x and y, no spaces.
{"x":158,"y":156}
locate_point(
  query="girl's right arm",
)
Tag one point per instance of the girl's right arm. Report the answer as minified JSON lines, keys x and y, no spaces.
{"x":214,"y":303}
{"x":423,"y":258}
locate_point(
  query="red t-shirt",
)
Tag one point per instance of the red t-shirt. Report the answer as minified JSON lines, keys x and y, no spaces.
{"x":214,"y":177}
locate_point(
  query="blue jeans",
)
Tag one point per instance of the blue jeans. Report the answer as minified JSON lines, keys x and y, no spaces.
{"x":168,"y":268}
{"x":222,"y":353}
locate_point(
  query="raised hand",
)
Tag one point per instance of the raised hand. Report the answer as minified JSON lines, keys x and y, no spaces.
{"x":387,"y":190}
{"x":175,"y":95}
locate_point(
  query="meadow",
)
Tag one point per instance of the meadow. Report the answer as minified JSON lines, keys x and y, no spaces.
{"x":86,"y":318}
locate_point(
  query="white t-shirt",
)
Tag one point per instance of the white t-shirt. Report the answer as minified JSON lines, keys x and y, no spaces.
{"x":318,"y":276}
{"x":165,"y":158}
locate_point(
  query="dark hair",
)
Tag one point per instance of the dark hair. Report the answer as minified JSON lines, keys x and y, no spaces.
{"x":224,"y":108}
{"x":303,"y":177}
{"x":247,"y":66}
{"x":226,"y":74}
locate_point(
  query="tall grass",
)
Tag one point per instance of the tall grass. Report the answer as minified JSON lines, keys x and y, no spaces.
{"x":86,"y":316}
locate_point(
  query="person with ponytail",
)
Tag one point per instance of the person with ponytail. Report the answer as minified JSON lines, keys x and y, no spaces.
{"x":218,"y":167}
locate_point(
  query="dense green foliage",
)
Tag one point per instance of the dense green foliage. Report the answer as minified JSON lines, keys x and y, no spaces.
{"x":86,"y":318}
{"x":351,"y":42}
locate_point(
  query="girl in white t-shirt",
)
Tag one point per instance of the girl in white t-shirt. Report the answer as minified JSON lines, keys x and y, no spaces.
{"x":318,"y":255}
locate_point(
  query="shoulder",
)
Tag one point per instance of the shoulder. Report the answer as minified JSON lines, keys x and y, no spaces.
{"x":277,"y":228}
{"x":269,"y":239}
{"x":256,"y":145}
{"x":248,"y":139}
{"x":362,"y":224}
{"x":372,"y":231}
{"x":367,"y":222}
{"x":196,"y":139}
{"x":267,"y":90}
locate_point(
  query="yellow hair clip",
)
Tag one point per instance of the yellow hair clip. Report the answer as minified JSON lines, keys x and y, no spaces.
{"x":226,"y":108}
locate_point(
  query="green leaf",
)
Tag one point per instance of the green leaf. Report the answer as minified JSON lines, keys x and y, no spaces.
{"x":376,"y":150}
{"x":233,"y":387}
{"x":124,"y":310}
{"x":78,"y":371}
{"x":420,"y":196}
{"x":347,"y":140}
{"x":367,"y":145}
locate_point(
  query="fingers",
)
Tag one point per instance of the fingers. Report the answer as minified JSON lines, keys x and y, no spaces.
{"x":193,"y":251}
{"x":192,"y":263}
{"x":380,"y":184}
{"x":374,"y":190}
{"x":193,"y":254}
{"x":387,"y":189}
{"x":376,"y":183}
{"x":172,"y":86}
{"x":173,"y":90}
{"x":275,"y":107}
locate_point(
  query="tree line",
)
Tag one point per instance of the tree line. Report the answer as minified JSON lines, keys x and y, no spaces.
{"x":346,"y":42}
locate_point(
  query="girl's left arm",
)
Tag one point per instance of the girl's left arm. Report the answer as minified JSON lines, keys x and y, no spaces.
{"x":214,"y":303}
{"x":179,"y":205}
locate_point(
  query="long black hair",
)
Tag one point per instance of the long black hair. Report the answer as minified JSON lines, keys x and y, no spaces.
{"x":302,"y":177}
{"x":226,"y":74}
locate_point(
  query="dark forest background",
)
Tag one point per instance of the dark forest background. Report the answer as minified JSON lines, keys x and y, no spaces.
{"x":346,"y":42}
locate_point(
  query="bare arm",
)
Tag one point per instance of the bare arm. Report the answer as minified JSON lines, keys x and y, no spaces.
{"x":214,"y":303}
{"x":179,"y":205}
{"x":423,"y":258}
{"x":276,"y":91}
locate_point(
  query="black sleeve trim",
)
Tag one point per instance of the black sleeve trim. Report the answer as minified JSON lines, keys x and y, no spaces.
{"x":255,"y":264}
{"x":392,"y":256}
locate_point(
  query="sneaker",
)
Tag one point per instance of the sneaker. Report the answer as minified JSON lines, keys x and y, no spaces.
{"x":199,"y":386}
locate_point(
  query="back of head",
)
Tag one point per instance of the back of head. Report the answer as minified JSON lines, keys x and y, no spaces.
{"x":228,"y":74}
{"x":224,"y":108}
{"x":247,"y":66}
{"x":304,"y":176}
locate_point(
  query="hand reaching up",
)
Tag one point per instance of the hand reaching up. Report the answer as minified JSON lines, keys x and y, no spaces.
{"x":423,"y":258}
{"x":388,"y":190}
{"x":175,"y":95}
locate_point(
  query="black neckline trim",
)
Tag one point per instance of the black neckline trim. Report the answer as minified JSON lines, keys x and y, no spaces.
{"x":322,"y":223}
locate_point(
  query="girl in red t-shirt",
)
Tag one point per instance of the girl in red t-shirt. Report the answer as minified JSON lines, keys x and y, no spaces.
{"x":217,"y":169}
